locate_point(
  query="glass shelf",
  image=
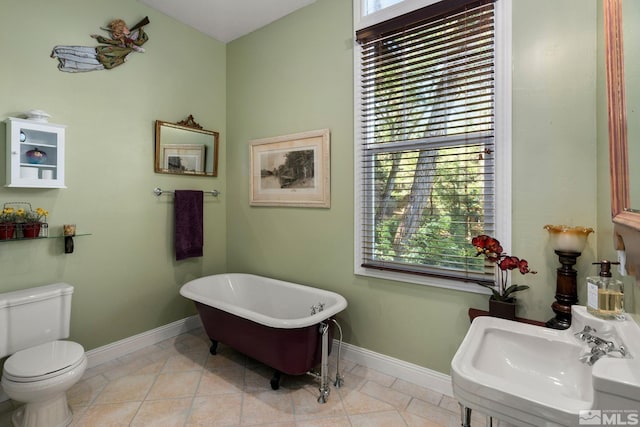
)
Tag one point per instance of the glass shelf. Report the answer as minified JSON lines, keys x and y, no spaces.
{"x":22,"y":239}
{"x":61,"y":236}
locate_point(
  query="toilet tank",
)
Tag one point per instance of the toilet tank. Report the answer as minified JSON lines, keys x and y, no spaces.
{"x":34,"y":316}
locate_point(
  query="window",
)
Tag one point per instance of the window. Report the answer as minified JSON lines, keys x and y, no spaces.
{"x":371,"y":6}
{"x":429,"y":143}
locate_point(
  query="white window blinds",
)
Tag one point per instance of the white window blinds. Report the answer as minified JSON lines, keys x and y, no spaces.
{"x":427,"y":135}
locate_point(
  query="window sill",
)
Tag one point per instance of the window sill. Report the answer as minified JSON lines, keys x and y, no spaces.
{"x":436,"y":282}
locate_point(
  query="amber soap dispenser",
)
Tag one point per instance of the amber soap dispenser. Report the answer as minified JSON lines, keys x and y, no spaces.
{"x":605,"y":295}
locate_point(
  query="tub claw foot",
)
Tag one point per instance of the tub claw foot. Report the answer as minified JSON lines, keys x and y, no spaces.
{"x":339,"y":382}
{"x":275,"y":380}
{"x":214,"y":347}
{"x":324,"y":396}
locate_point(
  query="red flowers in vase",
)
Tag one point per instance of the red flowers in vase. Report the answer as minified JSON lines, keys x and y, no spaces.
{"x":492,"y":251}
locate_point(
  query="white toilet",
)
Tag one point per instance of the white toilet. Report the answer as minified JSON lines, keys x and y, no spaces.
{"x":42,"y":367}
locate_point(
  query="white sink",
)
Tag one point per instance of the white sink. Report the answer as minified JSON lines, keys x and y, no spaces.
{"x":531,"y":376}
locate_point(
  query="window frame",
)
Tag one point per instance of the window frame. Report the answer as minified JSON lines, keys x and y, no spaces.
{"x":503,"y":135}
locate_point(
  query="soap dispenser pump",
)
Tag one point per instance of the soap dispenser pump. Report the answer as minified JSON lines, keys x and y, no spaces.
{"x":605,"y":295}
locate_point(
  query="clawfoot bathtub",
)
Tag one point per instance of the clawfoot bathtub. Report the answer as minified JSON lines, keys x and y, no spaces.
{"x":280,"y":324}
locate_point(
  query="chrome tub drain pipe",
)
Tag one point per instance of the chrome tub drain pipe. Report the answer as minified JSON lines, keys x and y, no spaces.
{"x":339,"y":378}
{"x":324,"y":376}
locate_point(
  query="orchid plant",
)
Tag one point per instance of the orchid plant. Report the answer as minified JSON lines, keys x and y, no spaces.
{"x":492,"y":251}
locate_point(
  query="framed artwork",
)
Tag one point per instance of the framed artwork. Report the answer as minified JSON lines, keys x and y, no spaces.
{"x":183,"y":158}
{"x":291,"y":170}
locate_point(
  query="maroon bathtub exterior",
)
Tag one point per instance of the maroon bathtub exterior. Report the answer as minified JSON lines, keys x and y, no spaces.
{"x":290,"y":351}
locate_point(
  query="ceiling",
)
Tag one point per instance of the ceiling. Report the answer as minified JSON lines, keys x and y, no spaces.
{"x":226,"y":20}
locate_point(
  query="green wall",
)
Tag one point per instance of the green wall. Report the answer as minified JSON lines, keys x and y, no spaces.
{"x":296,"y":75}
{"x":125,"y":275}
{"x":554,"y":136}
{"x":291,"y":76}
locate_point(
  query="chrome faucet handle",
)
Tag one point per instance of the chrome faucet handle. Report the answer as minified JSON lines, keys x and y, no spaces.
{"x":585,"y":334}
{"x":620,"y":350}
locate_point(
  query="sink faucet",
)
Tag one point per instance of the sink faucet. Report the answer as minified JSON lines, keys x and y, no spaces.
{"x":601,"y":347}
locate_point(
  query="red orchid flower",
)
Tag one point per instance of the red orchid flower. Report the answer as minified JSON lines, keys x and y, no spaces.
{"x":488,"y":246}
{"x":523,"y":266}
{"x":509,"y":263}
{"x":492,"y":250}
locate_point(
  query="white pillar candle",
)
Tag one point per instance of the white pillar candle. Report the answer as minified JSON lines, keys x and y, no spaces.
{"x":27,"y":172}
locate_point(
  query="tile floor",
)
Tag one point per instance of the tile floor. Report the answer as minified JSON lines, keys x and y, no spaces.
{"x":178,"y":383}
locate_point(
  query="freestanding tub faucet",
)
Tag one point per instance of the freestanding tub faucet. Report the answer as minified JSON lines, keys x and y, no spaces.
{"x":317,"y":308}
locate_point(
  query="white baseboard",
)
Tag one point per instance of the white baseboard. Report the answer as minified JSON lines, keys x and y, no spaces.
{"x":410,"y":372}
{"x":128,"y":345}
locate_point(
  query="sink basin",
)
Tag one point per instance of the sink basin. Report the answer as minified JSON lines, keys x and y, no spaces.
{"x":532,"y":376}
{"x":522,"y":360}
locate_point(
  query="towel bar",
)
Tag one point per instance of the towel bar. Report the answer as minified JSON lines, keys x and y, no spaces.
{"x":159,"y":191}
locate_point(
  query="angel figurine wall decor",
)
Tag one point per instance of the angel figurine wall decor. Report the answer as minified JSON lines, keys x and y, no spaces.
{"x":111,"y":53}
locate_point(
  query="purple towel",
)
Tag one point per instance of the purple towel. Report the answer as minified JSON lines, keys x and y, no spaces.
{"x":188,"y":223}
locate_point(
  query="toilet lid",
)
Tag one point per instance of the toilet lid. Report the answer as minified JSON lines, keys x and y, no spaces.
{"x":45,"y":360}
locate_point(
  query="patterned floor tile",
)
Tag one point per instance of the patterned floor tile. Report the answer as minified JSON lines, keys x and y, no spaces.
{"x":177,"y":382}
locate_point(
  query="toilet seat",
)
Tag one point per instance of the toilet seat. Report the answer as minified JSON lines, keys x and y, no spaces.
{"x":43,"y":361}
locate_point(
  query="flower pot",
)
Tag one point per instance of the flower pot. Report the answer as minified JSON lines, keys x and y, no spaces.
{"x":6,"y":231}
{"x":31,"y":230}
{"x":503,"y":309}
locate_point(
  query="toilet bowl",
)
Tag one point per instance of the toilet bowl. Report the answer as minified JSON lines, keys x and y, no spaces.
{"x":39,"y":377}
{"x":41,"y":367}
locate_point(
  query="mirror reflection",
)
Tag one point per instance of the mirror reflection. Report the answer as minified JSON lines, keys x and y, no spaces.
{"x":185,"y":148}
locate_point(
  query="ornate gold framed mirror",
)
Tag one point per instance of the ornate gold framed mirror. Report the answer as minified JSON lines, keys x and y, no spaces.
{"x":185,"y":148}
